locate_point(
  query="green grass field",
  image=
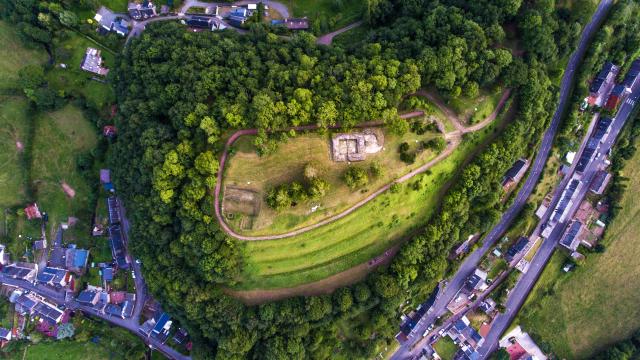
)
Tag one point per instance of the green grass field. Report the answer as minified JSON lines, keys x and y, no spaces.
{"x":473,"y":110}
{"x":598,"y":300}
{"x":56,"y":350}
{"x":59,"y":138}
{"x":334,"y":16}
{"x":354,"y":239}
{"x":14,"y":127}
{"x":249,"y":171}
{"x":14,"y":55}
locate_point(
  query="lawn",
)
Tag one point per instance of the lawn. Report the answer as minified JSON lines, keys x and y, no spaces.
{"x":14,"y":55}
{"x":247,"y":170}
{"x":59,"y":138}
{"x":73,"y":80}
{"x":598,"y":300}
{"x":445,"y":348}
{"x":118,"y":5}
{"x":330,"y":14}
{"x":474,"y":110}
{"x":356,"y":238}
{"x":56,"y":350}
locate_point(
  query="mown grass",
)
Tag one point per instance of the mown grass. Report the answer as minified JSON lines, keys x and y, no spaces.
{"x":446,"y":348}
{"x":473,"y":110}
{"x":327,"y":11}
{"x":14,"y":55}
{"x":247,"y":170}
{"x":356,"y":238}
{"x":55,"y":350}
{"x":598,"y":300}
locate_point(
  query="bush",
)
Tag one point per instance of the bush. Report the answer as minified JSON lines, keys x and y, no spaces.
{"x":356,"y":177}
{"x":376,"y":169}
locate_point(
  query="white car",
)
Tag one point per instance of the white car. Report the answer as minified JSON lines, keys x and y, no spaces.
{"x":426,"y":333}
{"x":133,"y":274}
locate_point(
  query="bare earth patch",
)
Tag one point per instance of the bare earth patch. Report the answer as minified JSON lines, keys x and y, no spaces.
{"x":68,"y":190}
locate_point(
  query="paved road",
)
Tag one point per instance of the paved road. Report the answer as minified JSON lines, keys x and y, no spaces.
{"x":327,"y":39}
{"x":527,"y":281}
{"x":471,"y":262}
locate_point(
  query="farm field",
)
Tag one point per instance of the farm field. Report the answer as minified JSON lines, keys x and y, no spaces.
{"x":248,"y":171}
{"x":603,"y":290}
{"x":356,"y":238}
{"x":14,"y":130}
{"x":14,"y":55}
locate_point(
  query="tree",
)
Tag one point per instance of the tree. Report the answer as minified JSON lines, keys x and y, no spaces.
{"x":376,"y":169}
{"x":356,"y":177}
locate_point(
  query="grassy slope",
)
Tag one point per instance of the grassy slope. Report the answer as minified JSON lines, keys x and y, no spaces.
{"x":64,"y":350}
{"x":602,"y":291}
{"x":353,"y":239}
{"x":13,"y":55}
{"x":248,"y":170}
{"x":59,"y":137}
{"x":14,"y":126}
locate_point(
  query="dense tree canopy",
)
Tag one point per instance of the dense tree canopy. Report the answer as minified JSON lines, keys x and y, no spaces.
{"x":179,"y":92}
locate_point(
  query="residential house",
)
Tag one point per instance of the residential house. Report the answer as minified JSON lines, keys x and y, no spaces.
{"x":238,"y":16}
{"x":600,"y":182}
{"x":199,"y":22}
{"x":142,"y":11}
{"x":515,"y":173}
{"x":92,"y":62}
{"x":516,"y":249}
{"x":32,"y":212}
{"x":88,"y":297}
{"x":487,"y":306}
{"x":48,"y":312}
{"x":632,"y":75}
{"x":618,"y":95}
{"x":40,"y":244}
{"x":53,"y":277}
{"x":161,"y":329}
{"x":20,"y":270}
{"x":114,"y":210}
{"x":107,"y":275}
{"x":118,"y":250}
{"x":570,"y":238}
{"x":25,"y":303}
{"x":110,"y":21}
{"x":181,"y":336}
{"x":602,"y":84}
{"x":124,"y":310}
{"x":4,"y":255}
{"x":5,"y":335}
{"x":296,"y":23}
{"x":76,"y":259}
{"x":521,"y":346}
{"x":477,"y":281}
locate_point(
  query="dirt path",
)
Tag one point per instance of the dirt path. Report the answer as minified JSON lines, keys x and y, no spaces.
{"x":453,"y":140}
{"x":327,"y":39}
{"x":455,"y":120}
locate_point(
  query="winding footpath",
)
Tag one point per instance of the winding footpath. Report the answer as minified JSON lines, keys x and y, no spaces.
{"x":327,"y":39}
{"x":453,"y":140}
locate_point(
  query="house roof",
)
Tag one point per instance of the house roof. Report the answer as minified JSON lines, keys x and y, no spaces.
{"x":568,"y":240}
{"x":47,"y":312}
{"x":32,"y":211}
{"x":599,"y":80}
{"x":107,"y":274}
{"x":297,"y":23}
{"x":162,"y":321}
{"x":513,"y":172}
{"x":113,"y":309}
{"x":5,"y":334}
{"x":105,"y":176}
{"x":600,"y":181}
{"x":117,"y":297}
{"x":86,"y":296}
{"x":516,"y":248}
{"x":632,"y":74}
{"x":199,"y":22}
{"x":26,"y":302}
{"x":80,"y":258}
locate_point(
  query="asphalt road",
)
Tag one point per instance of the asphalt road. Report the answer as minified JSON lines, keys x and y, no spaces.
{"x":527,"y":281}
{"x":471,"y":262}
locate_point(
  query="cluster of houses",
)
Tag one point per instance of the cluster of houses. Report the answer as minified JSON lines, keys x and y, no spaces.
{"x":237,"y":16}
{"x":465,"y":337}
{"x":409,"y":321}
{"x":475,"y":284}
{"x":115,"y":303}
{"x":605,"y":93}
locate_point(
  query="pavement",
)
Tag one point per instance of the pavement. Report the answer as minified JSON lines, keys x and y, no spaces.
{"x":472,"y":260}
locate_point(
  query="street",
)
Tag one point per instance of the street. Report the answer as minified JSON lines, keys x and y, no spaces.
{"x":472,"y":260}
